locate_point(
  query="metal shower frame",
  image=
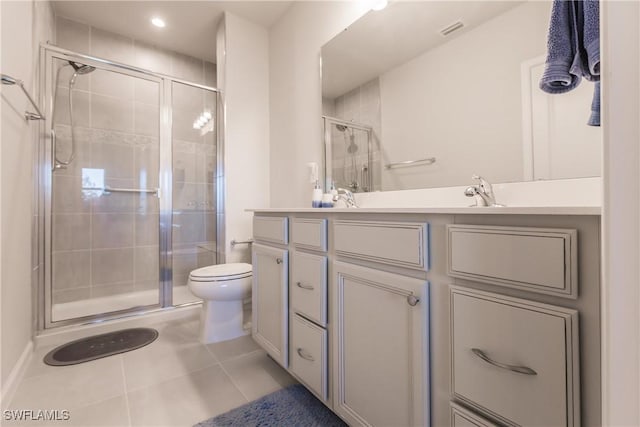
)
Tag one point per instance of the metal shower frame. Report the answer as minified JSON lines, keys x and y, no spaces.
{"x":328,"y":150}
{"x":43,"y":168}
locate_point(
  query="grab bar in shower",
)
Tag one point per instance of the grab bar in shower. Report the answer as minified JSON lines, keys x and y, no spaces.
{"x":107,"y":189}
{"x":235,"y":242}
{"x":28,"y":115}
{"x":428,"y":161}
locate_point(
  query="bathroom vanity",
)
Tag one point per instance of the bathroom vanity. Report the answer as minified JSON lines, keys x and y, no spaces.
{"x":442,"y":316}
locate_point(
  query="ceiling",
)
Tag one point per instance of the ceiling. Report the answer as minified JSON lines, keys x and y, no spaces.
{"x":191,"y":25}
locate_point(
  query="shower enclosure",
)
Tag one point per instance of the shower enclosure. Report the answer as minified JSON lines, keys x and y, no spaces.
{"x":348,"y":155}
{"x":129,"y":188}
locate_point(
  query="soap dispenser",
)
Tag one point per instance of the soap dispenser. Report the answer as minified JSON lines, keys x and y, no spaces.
{"x":316,"y":198}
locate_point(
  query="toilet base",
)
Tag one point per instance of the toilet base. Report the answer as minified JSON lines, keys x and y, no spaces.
{"x":221,"y":321}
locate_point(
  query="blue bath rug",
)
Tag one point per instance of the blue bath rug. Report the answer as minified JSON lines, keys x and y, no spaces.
{"x":291,"y":406}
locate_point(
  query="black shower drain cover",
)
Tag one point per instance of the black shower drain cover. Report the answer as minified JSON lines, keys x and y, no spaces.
{"x":98,"y":346}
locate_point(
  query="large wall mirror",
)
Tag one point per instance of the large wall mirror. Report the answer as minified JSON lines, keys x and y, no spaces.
{"x":425,"y":94}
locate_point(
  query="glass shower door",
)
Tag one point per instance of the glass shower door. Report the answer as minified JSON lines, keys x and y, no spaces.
{"x":194,"y":220}
{"x":104,"y":205}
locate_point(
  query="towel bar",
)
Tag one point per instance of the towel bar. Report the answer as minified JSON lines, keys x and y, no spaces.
{"x":428,"y":161}
{"x":28,"y":115}
{"x":241,"y":242}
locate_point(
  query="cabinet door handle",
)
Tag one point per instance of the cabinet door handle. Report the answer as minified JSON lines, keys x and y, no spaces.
{"x":300,"y":285}
{"x":517,"y":369}
{"x":412,"y":300}
{"x":279,"y":261}
{"x":305,"y":355}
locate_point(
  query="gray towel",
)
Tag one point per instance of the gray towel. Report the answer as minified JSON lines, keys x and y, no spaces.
{"x":574,"y":50}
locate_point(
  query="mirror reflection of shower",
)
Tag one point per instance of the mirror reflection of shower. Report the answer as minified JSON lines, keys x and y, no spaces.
{"x":348,"y":145}
{"x":78,"y":70}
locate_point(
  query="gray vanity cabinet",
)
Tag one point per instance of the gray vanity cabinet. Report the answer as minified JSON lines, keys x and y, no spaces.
{"x":270,"y":325}
{"x":379,"y":347}
{"x":515,"y":359}
{"x":412,"y":319}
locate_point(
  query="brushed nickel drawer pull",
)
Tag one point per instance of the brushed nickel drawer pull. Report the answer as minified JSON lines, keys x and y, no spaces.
{"x":412,"y":300}
{"x":305,"y":355}
{"x":300,"y":285}
{"x":279,"y":261}
{"x":517,"y":369}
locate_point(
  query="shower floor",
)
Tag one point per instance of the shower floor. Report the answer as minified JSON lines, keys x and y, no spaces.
{"x":93,"y":306}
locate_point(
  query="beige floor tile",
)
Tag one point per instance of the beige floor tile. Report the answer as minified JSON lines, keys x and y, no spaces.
{"x":72,"y":387}
{"x":169,"y":340}
{"x":186,"y":329}
{"x":233,"y":348}
{"x":186,"y":400}
{"x":38,"y":367}
{"x":109,"y":413}
{"x":257,"y":375}
{"x":155,"y":364}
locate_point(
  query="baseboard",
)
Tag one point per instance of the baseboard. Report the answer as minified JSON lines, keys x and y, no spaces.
{"x":11,"y":384}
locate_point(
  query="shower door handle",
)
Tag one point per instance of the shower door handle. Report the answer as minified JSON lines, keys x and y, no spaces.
{"x":55,"y":164}
{"x":53,"y":149}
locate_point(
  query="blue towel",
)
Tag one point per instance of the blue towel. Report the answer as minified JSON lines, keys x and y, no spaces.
{"x":574,"y":50}
{"x":591,"y":39}
{"x":594,"y":120}
{"x":557,"y":77}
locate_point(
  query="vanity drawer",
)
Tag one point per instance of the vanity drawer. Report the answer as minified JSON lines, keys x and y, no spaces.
{"x":309,"y":355}
{"x":308,"y":287}
{"x":514,"y":359}
{"x":271,"y":229}
{"x":537,"y":260}
{"x":462,"y":417}
{"x":396,"y":243}
{"x":310,"y":233}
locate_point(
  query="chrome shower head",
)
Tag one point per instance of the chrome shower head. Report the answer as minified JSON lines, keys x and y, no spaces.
{"x":8,"y":80}
{"x":81,"y":68}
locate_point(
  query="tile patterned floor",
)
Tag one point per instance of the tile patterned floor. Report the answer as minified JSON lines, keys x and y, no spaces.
{"x":175,"y":381}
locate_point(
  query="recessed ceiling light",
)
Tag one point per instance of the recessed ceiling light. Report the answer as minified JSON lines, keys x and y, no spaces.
{"x":379,"y":4}
{"x":158,"y":22}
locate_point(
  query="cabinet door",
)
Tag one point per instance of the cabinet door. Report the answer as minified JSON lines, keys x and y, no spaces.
{"x":380,"y":347}
{"x":270,"y":322}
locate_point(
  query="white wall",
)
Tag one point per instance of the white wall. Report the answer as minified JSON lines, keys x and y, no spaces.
{"x":24,"y":25}
{"x":243,"y":75}
{"x":296,"y":99}
{"x":621,"y":216}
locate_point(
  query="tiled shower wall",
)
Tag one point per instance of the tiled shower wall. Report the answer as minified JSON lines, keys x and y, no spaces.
{"x":108,"y":244}
{"x":362,"y":106}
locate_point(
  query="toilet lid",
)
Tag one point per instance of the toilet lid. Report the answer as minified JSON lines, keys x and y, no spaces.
{"x":222,"y":271}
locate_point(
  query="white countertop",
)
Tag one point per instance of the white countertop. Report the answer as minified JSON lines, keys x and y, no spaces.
{"x":509,"y":210}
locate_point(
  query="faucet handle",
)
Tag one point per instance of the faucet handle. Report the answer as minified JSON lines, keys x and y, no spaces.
{"x":484,"y":184}
{"x":480,"y":179}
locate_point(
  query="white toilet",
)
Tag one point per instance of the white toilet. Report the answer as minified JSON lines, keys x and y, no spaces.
{"x":223,"y":288}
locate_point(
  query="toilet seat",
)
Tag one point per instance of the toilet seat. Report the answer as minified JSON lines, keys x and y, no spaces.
{"x":221,"y":272}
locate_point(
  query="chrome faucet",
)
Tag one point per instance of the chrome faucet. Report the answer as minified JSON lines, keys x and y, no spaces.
{"x":347,"y":196}
{"x":484,"y":191}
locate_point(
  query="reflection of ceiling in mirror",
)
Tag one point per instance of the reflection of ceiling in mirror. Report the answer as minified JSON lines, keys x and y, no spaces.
{"x":384,"y":39}
{"x":470,"y":100}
